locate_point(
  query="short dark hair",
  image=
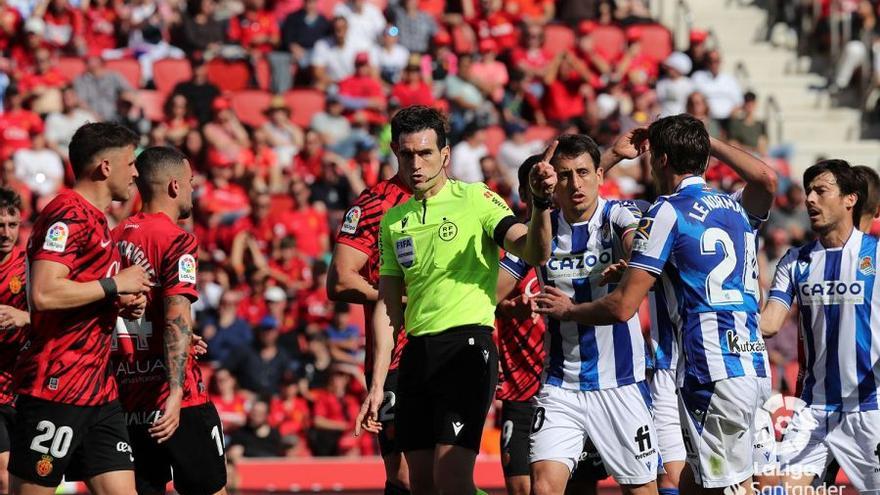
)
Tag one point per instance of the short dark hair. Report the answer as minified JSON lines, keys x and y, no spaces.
{"x":10,"y":201}
{"x":526,"y":168}
{"x":419,"y":118}
{"x":575,"y":145}
{"x":848,"y":181}
{"x":154,"y":162}
{"x":684,"y":140}
{"x":871,"y":179}
{"x":93,"y":138}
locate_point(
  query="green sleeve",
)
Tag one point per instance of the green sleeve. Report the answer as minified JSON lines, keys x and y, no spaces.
{"x":490,"y":208}
{"x":388,"y":261}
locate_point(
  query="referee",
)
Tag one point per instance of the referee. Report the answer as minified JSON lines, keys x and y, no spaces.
{"x":440,"y":248}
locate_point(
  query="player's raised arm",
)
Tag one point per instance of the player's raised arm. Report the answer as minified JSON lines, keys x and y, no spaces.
{"x":627,"y":147}
{"x":759,"y":177}
{"x":532,"y":242}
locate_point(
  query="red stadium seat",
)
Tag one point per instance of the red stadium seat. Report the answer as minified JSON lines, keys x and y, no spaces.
{"x":128,"y":68}
{"x":229,"y":75}
{"x":249,"y":105}
{"x":609,"y":42}
{"x":70,"y":67}
{"x":656,"y":41}
{"x":170,"y":71}
{"x":540,"y":133}
{"x":494,"y":137}
{"x":558,"y":38}
{"x":304,"y":103}
{"x":153,"y":103}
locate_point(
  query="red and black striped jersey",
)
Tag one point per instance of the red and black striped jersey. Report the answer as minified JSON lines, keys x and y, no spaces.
{"x":520,"y":348}
{"x":360,"y":230}
{"x":13,"y":278}
{"x":67,"y":356}
{"x":169,"y":255}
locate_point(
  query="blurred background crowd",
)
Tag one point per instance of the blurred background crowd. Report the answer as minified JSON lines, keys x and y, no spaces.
{"x":283,"y":109}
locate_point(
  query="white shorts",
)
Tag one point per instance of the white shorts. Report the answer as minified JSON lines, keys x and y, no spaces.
{"x":617,"y":420}
{"x":765,"y":452}
{"x":718,"y":422}
{"x":667,"y":421}
{"x":852,"y":438}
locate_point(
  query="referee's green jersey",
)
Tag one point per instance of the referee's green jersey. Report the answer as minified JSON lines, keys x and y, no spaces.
{"x":443,"y":248}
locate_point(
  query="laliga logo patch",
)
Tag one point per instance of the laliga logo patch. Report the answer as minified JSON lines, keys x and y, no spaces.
{"x":352,"y":217}
{"x":186,"y":269}
{"x":866,"y":266}
{"x":44,"y":466}
{"x":56,"y":237}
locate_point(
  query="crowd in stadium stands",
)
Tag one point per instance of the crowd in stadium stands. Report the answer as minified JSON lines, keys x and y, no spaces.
{"x":283,"y":109}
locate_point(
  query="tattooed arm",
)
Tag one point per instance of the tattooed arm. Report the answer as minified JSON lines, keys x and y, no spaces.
{"x":178,"y":337}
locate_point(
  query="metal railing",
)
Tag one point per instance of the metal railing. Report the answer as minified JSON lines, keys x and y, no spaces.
{"x":682,"y":24}
{"x":775,"y":121}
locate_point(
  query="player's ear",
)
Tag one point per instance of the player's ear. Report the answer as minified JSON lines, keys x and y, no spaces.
{"x":103,"y":168}
{"x":600,"y":174}
{"x":444,"y":155}
{"x":173,"y":188}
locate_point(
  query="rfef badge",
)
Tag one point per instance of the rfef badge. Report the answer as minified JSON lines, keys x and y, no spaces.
{"x":405,"y":251}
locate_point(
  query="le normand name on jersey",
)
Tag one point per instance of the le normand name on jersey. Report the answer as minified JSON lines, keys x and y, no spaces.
{"x":701,"y":208}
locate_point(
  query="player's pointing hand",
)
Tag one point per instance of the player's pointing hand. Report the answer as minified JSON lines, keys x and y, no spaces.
{"x":542,"y":178}
{"x":553,"y":303}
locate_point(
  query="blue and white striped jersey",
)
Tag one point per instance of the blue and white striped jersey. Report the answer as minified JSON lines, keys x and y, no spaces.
{"x":703,"y":241}
{"x":839,"y":320}
{"x":582,"y":357}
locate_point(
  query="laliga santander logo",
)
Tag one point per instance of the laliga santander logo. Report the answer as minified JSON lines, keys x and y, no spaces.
{"x":783,"y":410}
{"x":188,"y":266}
{"x":56,"y":233}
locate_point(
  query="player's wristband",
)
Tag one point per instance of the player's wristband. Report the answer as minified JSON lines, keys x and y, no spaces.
{"x":541,"y":203}
{"x":109,"y":286}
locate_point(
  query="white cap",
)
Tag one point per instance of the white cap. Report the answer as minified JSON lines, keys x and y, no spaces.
{"x":275,"y":294}
{"x":680,"y":62}
{"x":35,"y":25}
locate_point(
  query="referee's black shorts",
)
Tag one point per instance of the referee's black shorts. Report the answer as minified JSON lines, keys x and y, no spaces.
{"x":446,"y":384}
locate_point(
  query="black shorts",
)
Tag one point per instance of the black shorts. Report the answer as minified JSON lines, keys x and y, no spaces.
{"x":195,"y":452}
{"x":445,"y":387}
{"x":7,"y":419}
{"x":387,"y":436}
{"x":516,"y":425}
{"x":51,"y":440}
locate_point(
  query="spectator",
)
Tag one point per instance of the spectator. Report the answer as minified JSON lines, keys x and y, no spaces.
{"x":199,"y":92}
{"x":466,"y":155}
{"x":365,"y":21}
{"x":311,"y":227}
{"x":721,"y":89}
{"x":532,"y":11}
{"x":564,"y":100}
{"x":290,"y":268}
{"x":179,"y":119}
{"x":336,"y":186}
{"x":393,"y":57}
{"x":200,"y":33}
{"x":790,"y":215}
{"x":514,"y":151}
{"x":225,"y":132}
{"x":256,"y":438}
{"x":362,"y":92}
{"x":40,"y":168}
{"x":226,"y":332}
{"x":220,"y":199}
{"x":531,"y":59}
{"x":417,"y":27}
{"x":674,"y":89}
{"x":335,"y":411}
{"x":489,"y":73}
{"x":101,"y":89}
{"x":412,"y":88}
{"x":314,"y":309}
{"x":466,"y":99}
{"x":864,"y":29}
{"x":290,"y":414}
{"x":496,"y":24}
{"x":301,"y":30}
{"x":100,"y":27}
{"x":331,"y":125}
{"x":519,"y":106}
{"x":494,"y":177}
{"x":697,"y":106}
{"x":10,"y":25}
{"x":254,"y":29}
{"x":260,"y":366}
{"x":285,"y":137}
{"x":60,"y":126}
{"x":307,"y":163}
{"x":231,"y":403}
{"x":64,"y":27}
{"x":333,"y":57}
{"x":18,"y":125}
{"x":23,"y":50}
{"x":343,"y":336}
{"x":42,"y":86}
{"x":746,"y":129}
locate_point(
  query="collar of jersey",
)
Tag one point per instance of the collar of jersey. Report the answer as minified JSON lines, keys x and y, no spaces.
{"x":694,"y":180}
{"x":600,"y":205}
{"x":442,"y":192}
